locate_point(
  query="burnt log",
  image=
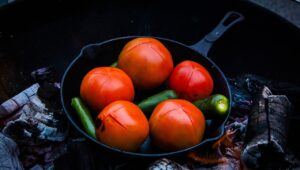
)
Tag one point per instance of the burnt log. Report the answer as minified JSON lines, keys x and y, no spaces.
{"x":12,"y":105}
{"x":267,"y":131}
{"x":253,"y":84}
{"x":246,"y":86}
{"x":9,"y":153}
{"x":39,"y":129}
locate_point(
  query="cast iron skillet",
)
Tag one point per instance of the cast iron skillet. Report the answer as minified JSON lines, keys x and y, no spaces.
{"x":92,"y":56}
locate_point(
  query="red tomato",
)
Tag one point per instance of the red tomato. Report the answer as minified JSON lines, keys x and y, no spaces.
{"x":103,"y":85}
{"x":123,"y":126}
{"x":147,"y":61}
{"x":191,"y":81}
{"x":176,"y":124}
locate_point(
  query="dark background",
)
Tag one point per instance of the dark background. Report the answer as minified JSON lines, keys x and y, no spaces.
{"x":47,"y":31}
{"x":42,"y":33}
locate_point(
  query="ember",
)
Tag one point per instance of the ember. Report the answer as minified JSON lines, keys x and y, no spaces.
{"x":224,"y":153}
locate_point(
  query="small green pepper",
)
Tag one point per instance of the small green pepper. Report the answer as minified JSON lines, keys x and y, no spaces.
{"x":216,"y":105}
{"x":150,"y":103}
{"x":115,"y":64}
{"x":84,"y":115}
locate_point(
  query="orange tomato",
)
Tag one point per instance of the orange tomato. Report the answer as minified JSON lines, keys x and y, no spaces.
{"x":103,"y":85}
{"x":191,"y":81}
{"x":147,"y":61}
{"x":176,"y":124}
{"x":123,"y":126}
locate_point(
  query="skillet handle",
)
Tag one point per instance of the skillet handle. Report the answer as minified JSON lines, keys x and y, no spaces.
{"x":229,"y":20}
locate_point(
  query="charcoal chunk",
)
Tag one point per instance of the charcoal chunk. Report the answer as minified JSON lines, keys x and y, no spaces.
{"x":166,"y":164}
{"x":267,"y":131}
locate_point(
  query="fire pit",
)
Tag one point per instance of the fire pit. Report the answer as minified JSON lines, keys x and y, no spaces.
{"x":262,"y":45}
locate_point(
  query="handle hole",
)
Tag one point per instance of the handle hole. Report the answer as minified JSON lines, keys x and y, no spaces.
{"x":232,"y":17}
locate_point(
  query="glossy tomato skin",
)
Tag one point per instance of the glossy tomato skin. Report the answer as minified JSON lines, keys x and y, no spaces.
{"x":147,"y":61}
{"x":191,"y":81}
{"x":123,"y":126}
{"x":176,"y":124}
{"x":103,"y":85}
